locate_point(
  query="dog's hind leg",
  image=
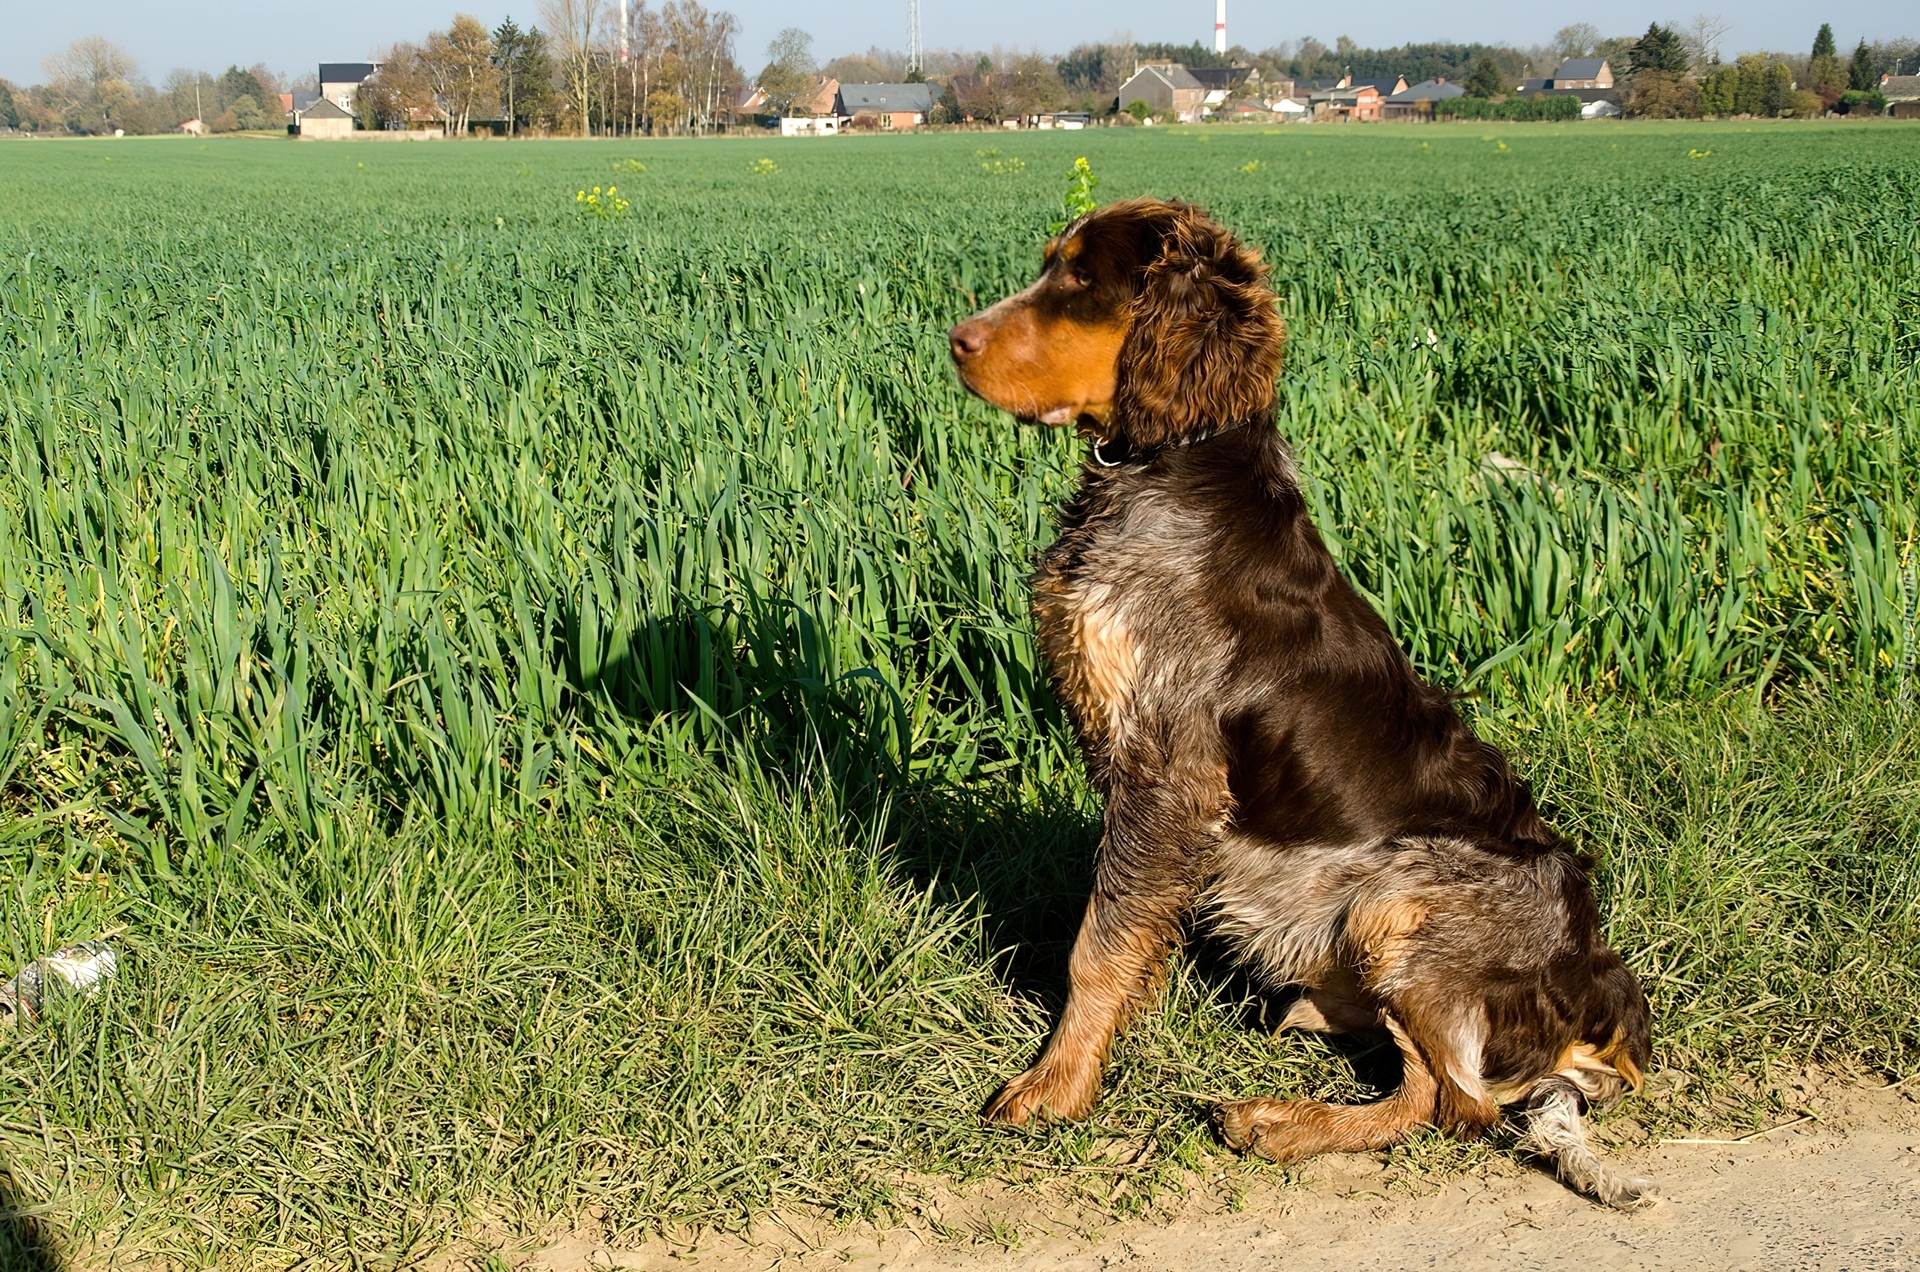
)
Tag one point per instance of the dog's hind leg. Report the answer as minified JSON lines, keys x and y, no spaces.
{"x":1551,"y":1126}
{"x":1288,"y":1131}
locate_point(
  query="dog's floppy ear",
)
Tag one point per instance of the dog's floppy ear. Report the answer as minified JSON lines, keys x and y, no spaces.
{"x":1204,"y":344}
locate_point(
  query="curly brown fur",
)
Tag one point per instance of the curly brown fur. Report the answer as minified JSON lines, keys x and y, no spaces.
{"x":1269,"y":758}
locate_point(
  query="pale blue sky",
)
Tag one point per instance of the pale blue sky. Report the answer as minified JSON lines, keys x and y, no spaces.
{"x":291,"y":36}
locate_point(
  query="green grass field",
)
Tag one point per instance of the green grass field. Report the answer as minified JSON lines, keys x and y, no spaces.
{"x":547,"y":709}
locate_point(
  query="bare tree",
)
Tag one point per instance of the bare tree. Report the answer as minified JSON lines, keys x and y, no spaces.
{"x":1702,"y":37}
{"x":789,"y":71}
{"x":1032,"y":85}
{"x":649,"y":53}
{"x":388,"y":98}
{"x":90,"y":61}
{"x":570,"y":25}
{"x":459,"y":69}
{"x":90,"y":84}
{"x":701,"y":55}
{"x":1577,"y":39}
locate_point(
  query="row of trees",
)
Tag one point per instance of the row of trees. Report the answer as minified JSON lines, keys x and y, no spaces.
{"x":666,"y":70}
{"x":1669,"y":79}
{"x":93,"y":86}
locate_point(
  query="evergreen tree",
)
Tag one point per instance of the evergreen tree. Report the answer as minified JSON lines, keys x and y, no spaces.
{"x":1860,"y":76}
{"x":526,"y":74}
{"x":1487,"y":80}
{"x":1825,"y":76}
{"x":9,"y":116}
{"x":1776,"y":93}
{"x":236,"y":84}
{"x":1719,"y":92}
{"x":507,"y":38}
{"x":1660,"y":49}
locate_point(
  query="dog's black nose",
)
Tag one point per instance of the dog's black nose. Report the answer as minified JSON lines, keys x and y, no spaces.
{"x":968,"y":339}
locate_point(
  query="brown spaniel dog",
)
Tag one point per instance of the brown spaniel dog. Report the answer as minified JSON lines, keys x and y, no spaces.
{"x":1271,"y":762}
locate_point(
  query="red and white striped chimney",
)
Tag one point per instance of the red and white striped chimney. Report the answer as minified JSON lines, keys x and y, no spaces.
{"x":1219,"y":26}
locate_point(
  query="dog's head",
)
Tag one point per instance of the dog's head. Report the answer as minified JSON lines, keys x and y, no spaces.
{"x":1147,"y":319}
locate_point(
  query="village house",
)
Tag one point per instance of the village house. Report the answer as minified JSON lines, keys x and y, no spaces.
{"x":324,"y":120}
{"x":1362,"y":102}
{"x":1168,"y":89}
{"x":339,"y":81}
{"x":1385,"y":87}
{"x":1582,"y":72}
{"x":1903,"y":95}
{"x":1222,"y":82}
{"x":1590,"y":79}
{"x":890,"y":106}
{"x":1416,"y":103}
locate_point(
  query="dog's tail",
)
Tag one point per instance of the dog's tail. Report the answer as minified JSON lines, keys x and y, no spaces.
{"x":1551,"y":1125}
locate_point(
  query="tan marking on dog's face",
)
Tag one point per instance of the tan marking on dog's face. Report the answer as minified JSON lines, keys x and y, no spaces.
{"x":1051,"y":352}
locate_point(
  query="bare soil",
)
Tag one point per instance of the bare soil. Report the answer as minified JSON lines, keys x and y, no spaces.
{"x":1840,"y":1190}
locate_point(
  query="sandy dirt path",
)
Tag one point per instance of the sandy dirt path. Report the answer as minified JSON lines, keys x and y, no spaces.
{"x":1842,"y":1193}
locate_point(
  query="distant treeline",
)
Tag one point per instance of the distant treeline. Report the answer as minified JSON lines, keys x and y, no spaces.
{"x":675,"y":69}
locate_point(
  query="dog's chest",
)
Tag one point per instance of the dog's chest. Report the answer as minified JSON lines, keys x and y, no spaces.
{"x":1091,"y":647}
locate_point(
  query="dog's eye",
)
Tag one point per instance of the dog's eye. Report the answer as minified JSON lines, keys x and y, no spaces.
{"x":1072,"y":278}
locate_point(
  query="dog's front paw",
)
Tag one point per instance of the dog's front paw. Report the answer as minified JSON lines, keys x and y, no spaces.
{"x":1044,"y":1093}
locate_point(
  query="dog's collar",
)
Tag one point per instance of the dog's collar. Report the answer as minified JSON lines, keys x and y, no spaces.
{"x":1119,"y":451}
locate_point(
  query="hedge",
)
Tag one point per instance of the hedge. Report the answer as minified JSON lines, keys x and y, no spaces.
{"x":1534,"y":107}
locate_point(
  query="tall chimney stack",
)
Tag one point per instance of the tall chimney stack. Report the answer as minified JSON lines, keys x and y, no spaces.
{"x":1219,"y":26}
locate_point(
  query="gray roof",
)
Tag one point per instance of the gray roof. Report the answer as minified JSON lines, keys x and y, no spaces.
{"x":345,"y":72}
{"x":1533,"y":85}
{"x":882,"y":98}
{"x":1580,"y":68}
{"x":324,"y":109}
{"x":1900,"y":88}
{"x":1314,"y":85}
{"x":1384,"y":87}
{"x":1218,"y":77}
{"x":1178,"y":76}
{"x":1432,"y":90}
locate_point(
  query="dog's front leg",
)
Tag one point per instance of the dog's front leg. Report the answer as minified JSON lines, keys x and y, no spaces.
{"x":1144,"y":884}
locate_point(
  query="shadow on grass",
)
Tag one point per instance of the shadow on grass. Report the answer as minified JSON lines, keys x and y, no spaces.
{"x":1028,"y":868}
{"x":26,"y":1244}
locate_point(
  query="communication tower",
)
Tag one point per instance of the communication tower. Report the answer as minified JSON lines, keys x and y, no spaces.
{"x":913,"y":35}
